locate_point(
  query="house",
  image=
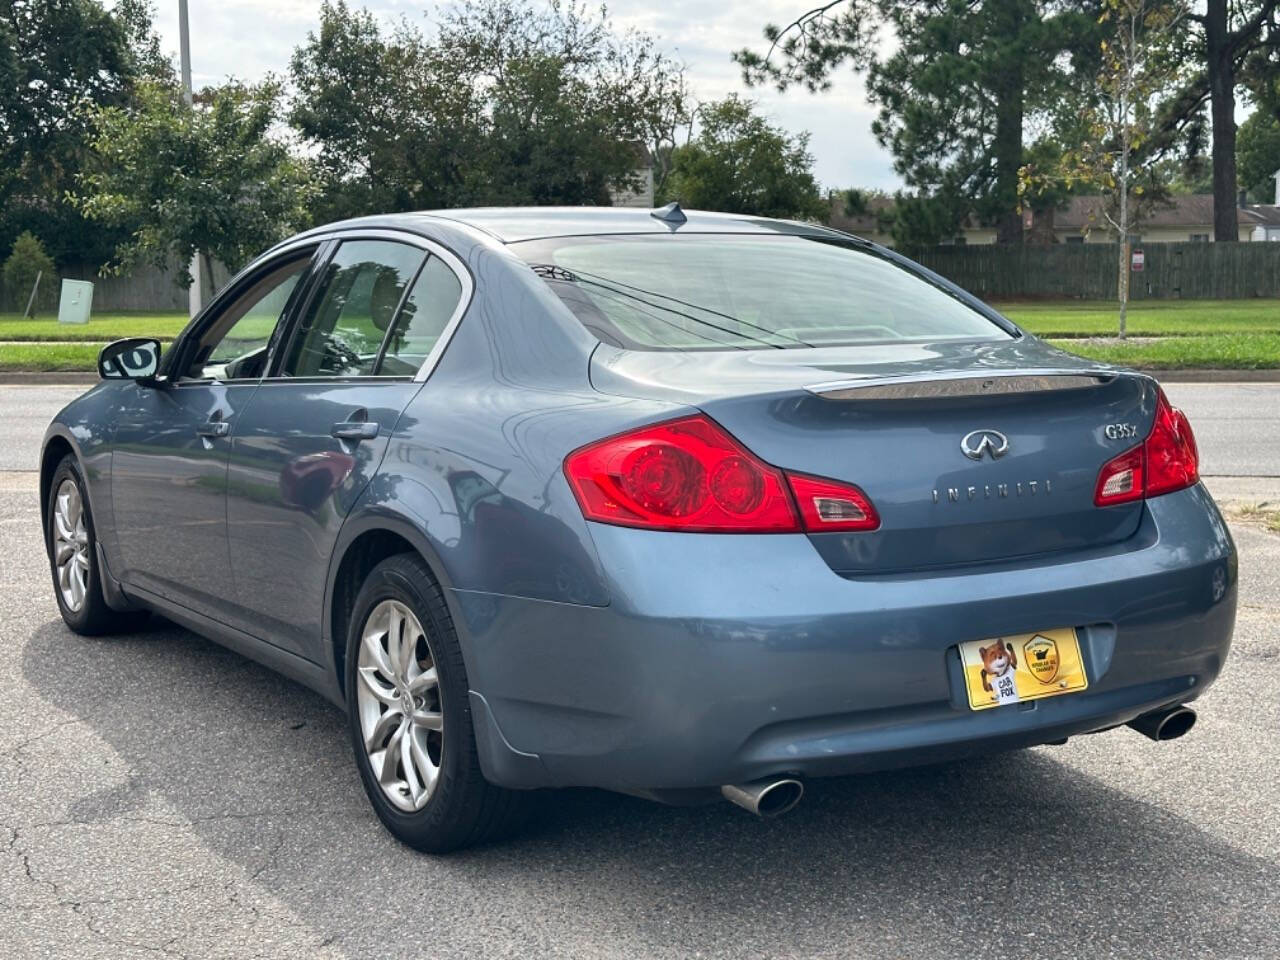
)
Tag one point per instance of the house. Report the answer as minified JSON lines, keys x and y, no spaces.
{"x":643,"y":196}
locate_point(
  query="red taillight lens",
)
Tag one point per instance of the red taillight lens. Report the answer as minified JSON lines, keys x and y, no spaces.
{"x":827,"y":505}
{"x":685,"y":474}
{"x":1173,"y":462}
{"x":691,"y":475}
{"x":1166,"y":461}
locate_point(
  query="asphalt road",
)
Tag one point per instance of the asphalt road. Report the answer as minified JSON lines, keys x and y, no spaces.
{"x":160,"y":795}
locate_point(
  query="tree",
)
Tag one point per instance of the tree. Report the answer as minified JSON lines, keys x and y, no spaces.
{"x":956,"y":91}
{"x":27,"y":263}
{"x":212,"y":177}
{"x":1139,"y":63}
{"x":57,"y":58}
{"x":507,"y":102}
{"x":1258,"y":153}
{"x":741,"y":163}
{"x":1234,"y":43}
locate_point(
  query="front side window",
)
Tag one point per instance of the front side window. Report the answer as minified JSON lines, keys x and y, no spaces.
{"x":747,"y":292}
{"x":342,"y":332}
{"x":234,"y":345}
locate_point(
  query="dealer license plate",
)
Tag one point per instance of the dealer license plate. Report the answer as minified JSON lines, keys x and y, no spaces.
{"x":1028,"y":666}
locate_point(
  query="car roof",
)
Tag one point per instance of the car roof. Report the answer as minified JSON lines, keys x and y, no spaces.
{"x":513,"y":224}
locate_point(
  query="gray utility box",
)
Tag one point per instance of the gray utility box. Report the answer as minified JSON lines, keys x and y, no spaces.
{"x":76,"y":301}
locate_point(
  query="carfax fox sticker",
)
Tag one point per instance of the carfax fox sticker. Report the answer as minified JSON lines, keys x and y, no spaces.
{"x":1025,"y":667}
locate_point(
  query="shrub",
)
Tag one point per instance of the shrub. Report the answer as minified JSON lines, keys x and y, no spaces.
{"x":27,"y":260}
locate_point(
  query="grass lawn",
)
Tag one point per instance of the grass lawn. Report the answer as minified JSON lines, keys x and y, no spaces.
{"x":1147,"y":318}
{"x":101,"y":328}
{"x":1226,"y":351}
{"x":49,"y":356}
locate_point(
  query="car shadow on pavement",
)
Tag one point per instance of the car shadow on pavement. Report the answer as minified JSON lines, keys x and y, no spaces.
{"x":1016,"y":855}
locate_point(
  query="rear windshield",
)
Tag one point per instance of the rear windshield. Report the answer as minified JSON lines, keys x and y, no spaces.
{"x":718,"y":291}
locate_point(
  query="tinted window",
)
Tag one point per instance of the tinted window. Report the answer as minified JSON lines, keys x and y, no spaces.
{"x":346,"y":322}
{"x":422,"y":319}
{"x":717,"y":291}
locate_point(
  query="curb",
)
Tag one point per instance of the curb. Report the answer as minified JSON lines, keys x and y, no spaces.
{"x":56,"y":378}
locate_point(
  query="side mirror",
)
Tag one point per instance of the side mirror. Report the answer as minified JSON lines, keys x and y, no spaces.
{"x":137,"y":358}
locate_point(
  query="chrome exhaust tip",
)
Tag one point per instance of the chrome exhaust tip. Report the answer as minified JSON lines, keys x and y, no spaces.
{"x":765,"y":798}
{"x":1167,"y":724}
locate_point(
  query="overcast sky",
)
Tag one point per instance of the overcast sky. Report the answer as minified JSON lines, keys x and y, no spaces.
{"x":247,"y":38}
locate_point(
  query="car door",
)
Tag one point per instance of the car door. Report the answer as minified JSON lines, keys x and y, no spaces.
{"x":313,"y":436}
{"x":172,"y":440}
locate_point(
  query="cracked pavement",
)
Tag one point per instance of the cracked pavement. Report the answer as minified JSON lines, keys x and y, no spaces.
{"x":162,"y":796}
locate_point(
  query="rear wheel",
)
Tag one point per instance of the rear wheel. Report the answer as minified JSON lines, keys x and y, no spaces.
{"x":410,"y":715}
{"x":72,"y":546}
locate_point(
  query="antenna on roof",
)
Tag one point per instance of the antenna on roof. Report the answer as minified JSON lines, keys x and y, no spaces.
{"x":671,"y":213}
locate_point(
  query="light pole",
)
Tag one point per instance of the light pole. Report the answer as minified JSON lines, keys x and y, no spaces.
{"x":195,"y":295}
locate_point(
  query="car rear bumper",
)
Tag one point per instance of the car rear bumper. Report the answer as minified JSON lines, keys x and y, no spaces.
{"x":723,"y":659}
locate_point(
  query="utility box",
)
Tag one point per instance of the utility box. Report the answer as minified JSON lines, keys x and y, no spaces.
{"x":76,"y":301}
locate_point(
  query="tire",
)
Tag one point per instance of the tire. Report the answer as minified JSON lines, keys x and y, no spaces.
{"x":419,"y":715}
{"x":70,"y":528}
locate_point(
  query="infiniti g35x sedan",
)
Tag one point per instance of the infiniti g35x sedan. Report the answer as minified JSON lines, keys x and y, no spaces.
{"x":681,"y":505}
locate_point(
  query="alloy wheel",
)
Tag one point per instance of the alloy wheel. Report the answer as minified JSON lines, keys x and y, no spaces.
{"x":70,"y":545}
{"x":398,"y":698}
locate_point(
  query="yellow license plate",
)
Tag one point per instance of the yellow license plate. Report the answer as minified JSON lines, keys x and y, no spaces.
{"x":1028,"y":666}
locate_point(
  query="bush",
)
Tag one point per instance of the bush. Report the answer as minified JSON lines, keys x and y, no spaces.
{"x":25,"y":263}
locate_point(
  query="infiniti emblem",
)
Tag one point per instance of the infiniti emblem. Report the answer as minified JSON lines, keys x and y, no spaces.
{"x":975,"y":444}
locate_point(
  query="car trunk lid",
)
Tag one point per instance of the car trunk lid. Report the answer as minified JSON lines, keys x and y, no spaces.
{"x":971,"y":453}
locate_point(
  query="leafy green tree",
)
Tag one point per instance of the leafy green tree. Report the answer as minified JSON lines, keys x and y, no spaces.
{"x":956,"y":91}
{"x":26,"y":262}
{"x":58,"y":57}
{"x":1258,"y":152}
{"x":739,"y":162}
{"x":506,"y":102}
{"x":213,"y":177}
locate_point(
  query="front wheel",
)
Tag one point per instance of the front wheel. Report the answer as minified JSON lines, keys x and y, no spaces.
{"x":410,"y":715}
{"x":72,"y":545}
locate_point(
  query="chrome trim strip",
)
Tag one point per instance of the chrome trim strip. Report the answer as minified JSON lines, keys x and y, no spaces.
{"x":962,"y":384}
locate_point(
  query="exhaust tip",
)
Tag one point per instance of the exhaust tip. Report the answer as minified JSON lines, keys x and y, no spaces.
{"x":1168,"y":724}
{"x":765,"y":798}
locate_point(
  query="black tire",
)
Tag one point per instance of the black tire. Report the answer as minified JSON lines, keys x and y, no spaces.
{"x":463,"y":809}
{"x":94,"y":617}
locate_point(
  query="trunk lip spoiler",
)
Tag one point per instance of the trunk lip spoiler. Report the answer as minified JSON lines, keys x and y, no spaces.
{"x":969,"y":384}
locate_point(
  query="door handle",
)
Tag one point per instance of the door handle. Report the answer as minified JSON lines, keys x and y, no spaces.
{"x":213,"y":428}
{"x":355,"y":430}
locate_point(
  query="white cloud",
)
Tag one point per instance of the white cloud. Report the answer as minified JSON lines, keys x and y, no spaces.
{"x":250,"y":38}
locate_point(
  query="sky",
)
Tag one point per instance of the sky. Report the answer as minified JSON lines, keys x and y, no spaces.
{"x":249,"y":38}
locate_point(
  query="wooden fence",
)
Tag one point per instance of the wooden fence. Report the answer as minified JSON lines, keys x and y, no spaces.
{"x":1218,"y":271}
{"x":146,"y":288}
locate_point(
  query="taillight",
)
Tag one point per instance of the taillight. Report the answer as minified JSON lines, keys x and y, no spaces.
{"x":1166,"y":461}
{"x":691,"y":475}
{"x":828,"y":505}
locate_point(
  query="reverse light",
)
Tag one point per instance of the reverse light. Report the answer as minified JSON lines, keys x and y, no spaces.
{"x":691,"y":475}
{"x":1166,"y":461}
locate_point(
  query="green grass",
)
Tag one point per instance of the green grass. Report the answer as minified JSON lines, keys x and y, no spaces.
{"x":1226,"y":351}
{"x":102,"y":327}
{"x":49,"y":356}
{"x":1147,"y":318}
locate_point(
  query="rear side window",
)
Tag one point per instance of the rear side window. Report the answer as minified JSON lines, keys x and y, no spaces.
{"x":426,"y":311}
{"x":342,"y":333}
{"x":719,"y":291}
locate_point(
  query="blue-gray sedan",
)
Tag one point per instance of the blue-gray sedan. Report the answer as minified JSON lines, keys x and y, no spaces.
{"x":682,"y":505}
